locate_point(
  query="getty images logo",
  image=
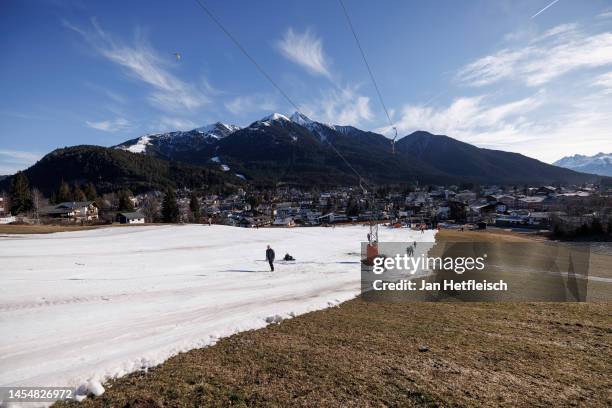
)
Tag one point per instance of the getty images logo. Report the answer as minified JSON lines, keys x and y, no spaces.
{"x":412,"y":264}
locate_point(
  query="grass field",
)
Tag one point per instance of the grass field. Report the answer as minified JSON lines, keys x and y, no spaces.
{"x":396,"y":354}
{"x":367,"y":354}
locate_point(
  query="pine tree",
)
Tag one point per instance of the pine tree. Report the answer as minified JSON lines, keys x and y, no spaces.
{"x":170,"y":209}
{"x":21,"y":198}
{"x":194,"y":207}
{"x":125,"y":201}
{"x":77,"y":193}
{"x":90,"y":192}
{"x":63,"y":193}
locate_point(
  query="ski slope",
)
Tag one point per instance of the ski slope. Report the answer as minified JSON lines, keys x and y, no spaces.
{"x":96,"y":304}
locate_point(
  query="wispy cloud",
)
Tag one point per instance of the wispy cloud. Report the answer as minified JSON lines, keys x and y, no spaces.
{"x":110,"y":94}
{"x":604,"y":81}
{"x":112,"y":125}
{"x":251,"y":103}
{"x":605,"y":14}
{"x":559,"y":51}
{"x":12,"y":161}
{"x":305,"y":49}
{"x":166,"y":123}
{"x":142,"y":62}
{"x":342,"y":106}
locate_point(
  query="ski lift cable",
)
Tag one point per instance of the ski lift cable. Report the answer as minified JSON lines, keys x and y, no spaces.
{"x":269,"y":78}
{"x":365,"y":61}
{"x":245,"y":52}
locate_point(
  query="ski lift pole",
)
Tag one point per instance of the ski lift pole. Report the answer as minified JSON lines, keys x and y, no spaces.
{"x":393,"y":140}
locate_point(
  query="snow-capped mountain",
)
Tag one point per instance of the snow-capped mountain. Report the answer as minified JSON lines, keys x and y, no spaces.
{"x":176,"y":141}
{"x":298,"y":150}
{"x":317,"y":128}
{"x":600,"y":164}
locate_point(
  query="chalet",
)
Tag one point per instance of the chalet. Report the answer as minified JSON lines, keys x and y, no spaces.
{"x":2,"y":210}
{"x":130,"y":218}
{"x":72,"y":210}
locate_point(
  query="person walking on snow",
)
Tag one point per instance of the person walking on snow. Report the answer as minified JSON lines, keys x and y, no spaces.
{"x":270,"y":257}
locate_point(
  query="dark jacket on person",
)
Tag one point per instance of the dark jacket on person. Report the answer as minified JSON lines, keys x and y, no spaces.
{"x":270,"y":255}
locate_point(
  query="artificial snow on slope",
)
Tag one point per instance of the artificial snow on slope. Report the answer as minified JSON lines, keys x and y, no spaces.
{"x":86,"y":306}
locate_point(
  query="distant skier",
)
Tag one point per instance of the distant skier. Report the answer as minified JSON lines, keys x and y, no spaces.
{"x":270,"y":257}
{"x":288,"y":258}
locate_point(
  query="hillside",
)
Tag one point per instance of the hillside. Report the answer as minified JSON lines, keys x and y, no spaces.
{"x":112,"y":169}
{"x":483,"y":165}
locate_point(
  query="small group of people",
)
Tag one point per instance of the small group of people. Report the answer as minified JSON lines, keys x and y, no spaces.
{"x":410,"y":249}
{"x":270,"y":257}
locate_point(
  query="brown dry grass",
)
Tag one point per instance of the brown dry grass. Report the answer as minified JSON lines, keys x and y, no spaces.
{"x":366,"y":354}
{"x":43,"y":228}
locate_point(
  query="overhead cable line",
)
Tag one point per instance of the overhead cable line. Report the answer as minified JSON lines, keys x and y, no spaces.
{"x":269,"y":78}
{"x":365,"y":61}
{"x":245,"y":52}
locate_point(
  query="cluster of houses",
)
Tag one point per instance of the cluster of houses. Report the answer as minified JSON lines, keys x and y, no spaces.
{"x":492,"y":205}
{"x":500,"y":206}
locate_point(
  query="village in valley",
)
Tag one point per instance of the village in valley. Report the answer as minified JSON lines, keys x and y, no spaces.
{"x":565,"y":211}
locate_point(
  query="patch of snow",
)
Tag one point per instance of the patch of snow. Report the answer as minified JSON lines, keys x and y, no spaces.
{"x":315,"y":127}
{"x":240,"y":176}
{"x":216,"y":159}
{"x":139,"y":147}
{"x":225,"y":167}
{"x":145,"y":294}
{"x":275,"y":116}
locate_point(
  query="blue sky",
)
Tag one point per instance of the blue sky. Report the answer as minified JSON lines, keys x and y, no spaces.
{"x":485,"y":72}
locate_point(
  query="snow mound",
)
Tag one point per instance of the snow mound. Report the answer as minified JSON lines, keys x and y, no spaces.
{"x":90,"y":387}
{"x":274,"y":319}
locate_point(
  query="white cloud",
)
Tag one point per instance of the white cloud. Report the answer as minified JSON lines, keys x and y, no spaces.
{"x":341,"y":106}
{"x":604,"y":81}
{"x":12,"y":161}
{"x":251,"y":103}
{"x":166,"y":123}
{"x":543,"y":126}
{"x":559,"y":51}
{"x":605,"y":14}
{"x":305,"y":49}
{"x":112,"y":125}
{"x":142,"y":62}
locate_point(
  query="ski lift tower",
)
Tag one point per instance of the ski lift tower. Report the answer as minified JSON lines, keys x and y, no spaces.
{"x":372,"y":248}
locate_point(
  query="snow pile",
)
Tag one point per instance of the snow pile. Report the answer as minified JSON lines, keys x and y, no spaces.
{"x":77,"y":308}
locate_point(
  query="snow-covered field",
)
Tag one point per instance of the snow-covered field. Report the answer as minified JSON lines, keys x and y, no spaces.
{"x":95,"y":304}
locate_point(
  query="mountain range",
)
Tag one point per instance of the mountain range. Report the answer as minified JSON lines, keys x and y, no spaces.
{"x":601,"y":163}
{"x":289,"y":150}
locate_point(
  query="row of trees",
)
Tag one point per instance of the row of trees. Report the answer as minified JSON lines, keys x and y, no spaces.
{"x":23,"y":200}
